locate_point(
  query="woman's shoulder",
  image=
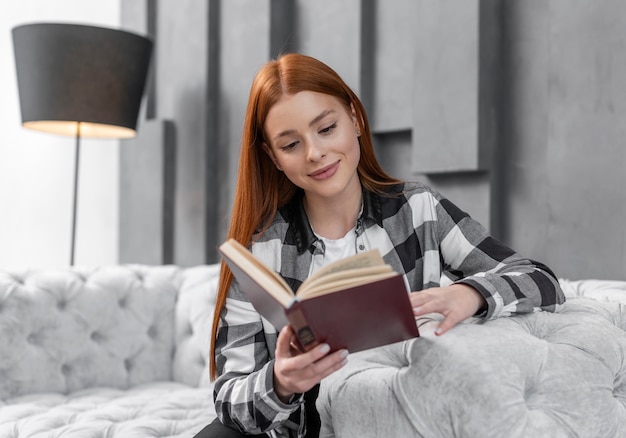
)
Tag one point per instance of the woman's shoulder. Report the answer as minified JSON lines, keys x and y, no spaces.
{"x":408,"y":189}
{"x":276,"y":229}
{"x":420,"y":198}
{"x":267,"y":244}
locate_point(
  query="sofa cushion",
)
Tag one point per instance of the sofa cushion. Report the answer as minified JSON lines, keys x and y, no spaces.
{"x":66,"y":330}
{"x":164,"y":409}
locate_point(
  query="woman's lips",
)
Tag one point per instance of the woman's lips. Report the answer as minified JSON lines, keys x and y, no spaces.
{"x":325,"y":172}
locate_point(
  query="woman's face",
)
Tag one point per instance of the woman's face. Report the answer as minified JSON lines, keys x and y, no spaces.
{"x":313,"y":139}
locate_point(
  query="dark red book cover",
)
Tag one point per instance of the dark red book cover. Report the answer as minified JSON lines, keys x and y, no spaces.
{"x":356,"y":318}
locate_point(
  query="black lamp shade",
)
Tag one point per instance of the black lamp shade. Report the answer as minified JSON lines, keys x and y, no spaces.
{"x":72,"y":75}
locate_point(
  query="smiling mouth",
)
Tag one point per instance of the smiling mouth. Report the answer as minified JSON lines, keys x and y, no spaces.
{"x":325,"y":172}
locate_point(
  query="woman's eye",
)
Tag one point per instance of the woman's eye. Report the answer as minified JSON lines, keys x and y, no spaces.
{"x":289,"y":146}
{"x":328,"y":129}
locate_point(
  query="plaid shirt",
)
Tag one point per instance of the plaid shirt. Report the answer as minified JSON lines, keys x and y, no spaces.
{"x":420,"y":234}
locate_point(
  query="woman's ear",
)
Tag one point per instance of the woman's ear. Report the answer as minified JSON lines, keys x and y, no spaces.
{"x":268,"y":150}
{"x":355,"y":120}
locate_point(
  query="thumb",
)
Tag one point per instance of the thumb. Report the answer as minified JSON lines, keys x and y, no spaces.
{"x":283,"y":348}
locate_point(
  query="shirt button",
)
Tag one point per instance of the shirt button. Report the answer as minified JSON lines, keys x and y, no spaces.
{"x":361,"y":247}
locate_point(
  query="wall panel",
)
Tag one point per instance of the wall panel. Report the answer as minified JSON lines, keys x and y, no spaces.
{"x":147,"y":173}
{"x":330,"y":30}
{"x":244,"y":46}
{"x":511,"y":109}
{"x":393,"y":50}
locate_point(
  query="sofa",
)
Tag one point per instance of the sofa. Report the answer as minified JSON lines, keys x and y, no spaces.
{"x":529,"y":376}
{"x":114,"y":351}
{"x":121,"y":351}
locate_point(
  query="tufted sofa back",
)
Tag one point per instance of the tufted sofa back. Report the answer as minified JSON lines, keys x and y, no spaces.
{"x":63,"y":330}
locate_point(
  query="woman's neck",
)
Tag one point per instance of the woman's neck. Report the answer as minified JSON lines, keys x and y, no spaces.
{"x":332,"y":219}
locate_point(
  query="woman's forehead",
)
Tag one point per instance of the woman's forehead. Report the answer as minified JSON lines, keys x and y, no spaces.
{"x":302,"y":108}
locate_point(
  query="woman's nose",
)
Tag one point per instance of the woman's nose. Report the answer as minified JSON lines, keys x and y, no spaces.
{"x":314,"y":150}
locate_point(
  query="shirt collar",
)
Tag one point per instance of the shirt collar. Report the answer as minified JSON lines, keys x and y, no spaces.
{"x":301,"y":230}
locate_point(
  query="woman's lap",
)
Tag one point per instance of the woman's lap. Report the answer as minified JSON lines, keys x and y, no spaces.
{"x":217,"y":430}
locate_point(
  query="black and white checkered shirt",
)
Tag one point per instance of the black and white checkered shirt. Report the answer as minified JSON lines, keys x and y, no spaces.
{"x":420,"y":234}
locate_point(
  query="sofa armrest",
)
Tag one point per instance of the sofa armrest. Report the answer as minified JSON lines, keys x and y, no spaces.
{"x":601,"y":290}
{"x":194,"y":317}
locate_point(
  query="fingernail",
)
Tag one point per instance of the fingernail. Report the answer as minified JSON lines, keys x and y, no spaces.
{"x":416,"y":309}
{"x":324,"y":348}
{"x":438,"y":331}
{"x":344,"y":353}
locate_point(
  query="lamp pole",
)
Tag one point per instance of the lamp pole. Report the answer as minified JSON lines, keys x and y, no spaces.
{"x":75,"y":202}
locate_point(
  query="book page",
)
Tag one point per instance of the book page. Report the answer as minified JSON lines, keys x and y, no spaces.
{"x":316,"y":290}
{"x":353,"y":274}
{"x":361,"y":260}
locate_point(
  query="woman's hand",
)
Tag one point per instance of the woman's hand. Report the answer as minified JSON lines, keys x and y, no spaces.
{"x":297,"y":372}
{"x":456,"y":303}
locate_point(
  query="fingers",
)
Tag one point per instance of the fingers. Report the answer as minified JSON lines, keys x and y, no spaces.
{"x":430,"y":301}
{"x":287,"y":346}
{"x":302,"y":372}
{"x":448,"y":322}
{"x":296,"y":372}
{"x":328,"y":363}
{"x":456,"y":303}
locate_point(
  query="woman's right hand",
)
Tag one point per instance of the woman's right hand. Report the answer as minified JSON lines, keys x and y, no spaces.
{"x":297,"y":372}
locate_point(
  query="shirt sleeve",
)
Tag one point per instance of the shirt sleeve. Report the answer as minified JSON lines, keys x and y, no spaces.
{"x":244,"y":391}
{"x":509,"y":282}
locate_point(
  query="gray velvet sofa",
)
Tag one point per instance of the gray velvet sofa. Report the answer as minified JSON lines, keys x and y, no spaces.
{"x":109,"y":352}
{"x":539,"y":375}
{"x":121,"y":351}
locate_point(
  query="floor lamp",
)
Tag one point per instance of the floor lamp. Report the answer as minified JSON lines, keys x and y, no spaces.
{"x":81,"y":81}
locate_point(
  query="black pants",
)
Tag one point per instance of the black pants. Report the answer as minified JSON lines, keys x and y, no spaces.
{"x":217,"y":430}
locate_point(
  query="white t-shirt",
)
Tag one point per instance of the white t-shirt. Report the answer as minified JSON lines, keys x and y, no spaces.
{"x":336,"y":249}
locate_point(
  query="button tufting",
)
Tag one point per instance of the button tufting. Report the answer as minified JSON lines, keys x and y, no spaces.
{"x":18,"y":280}
{"x":128,"y":364}
{"x":122,"y":302}
{"x":32,"y":338}
{"x":61,"y":304}
{"x":152,"y":332}
{"x":97,"y":337}
{"x":187,"y":331}
{"x":66,"y":369}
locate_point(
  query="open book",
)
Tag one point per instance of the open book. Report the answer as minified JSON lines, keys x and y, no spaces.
{"x":355,"y":303}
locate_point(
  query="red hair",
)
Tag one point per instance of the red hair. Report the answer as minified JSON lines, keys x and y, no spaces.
{"x":261,"y":189}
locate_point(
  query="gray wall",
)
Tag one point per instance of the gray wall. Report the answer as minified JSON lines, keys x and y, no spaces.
{"x":512,"y":109}
{"x":564,"y":137}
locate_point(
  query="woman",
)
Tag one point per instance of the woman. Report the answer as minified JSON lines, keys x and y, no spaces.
{"x":310,"y":191}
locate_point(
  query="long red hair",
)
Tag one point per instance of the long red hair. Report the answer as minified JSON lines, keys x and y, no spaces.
{"x":261,"y":189}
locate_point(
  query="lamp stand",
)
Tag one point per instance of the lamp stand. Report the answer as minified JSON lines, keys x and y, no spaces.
{"x":70,"y":72}
{"x":75,"y":205}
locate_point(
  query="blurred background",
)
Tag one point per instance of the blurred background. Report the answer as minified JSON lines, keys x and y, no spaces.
{"x":513,"y":109}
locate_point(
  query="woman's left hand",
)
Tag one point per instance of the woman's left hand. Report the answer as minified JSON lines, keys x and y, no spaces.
{"x":456,"y":303}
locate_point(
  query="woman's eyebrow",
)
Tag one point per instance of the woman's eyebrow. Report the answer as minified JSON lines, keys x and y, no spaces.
{"x":316,"y":119}
{"x":321,"y":116}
